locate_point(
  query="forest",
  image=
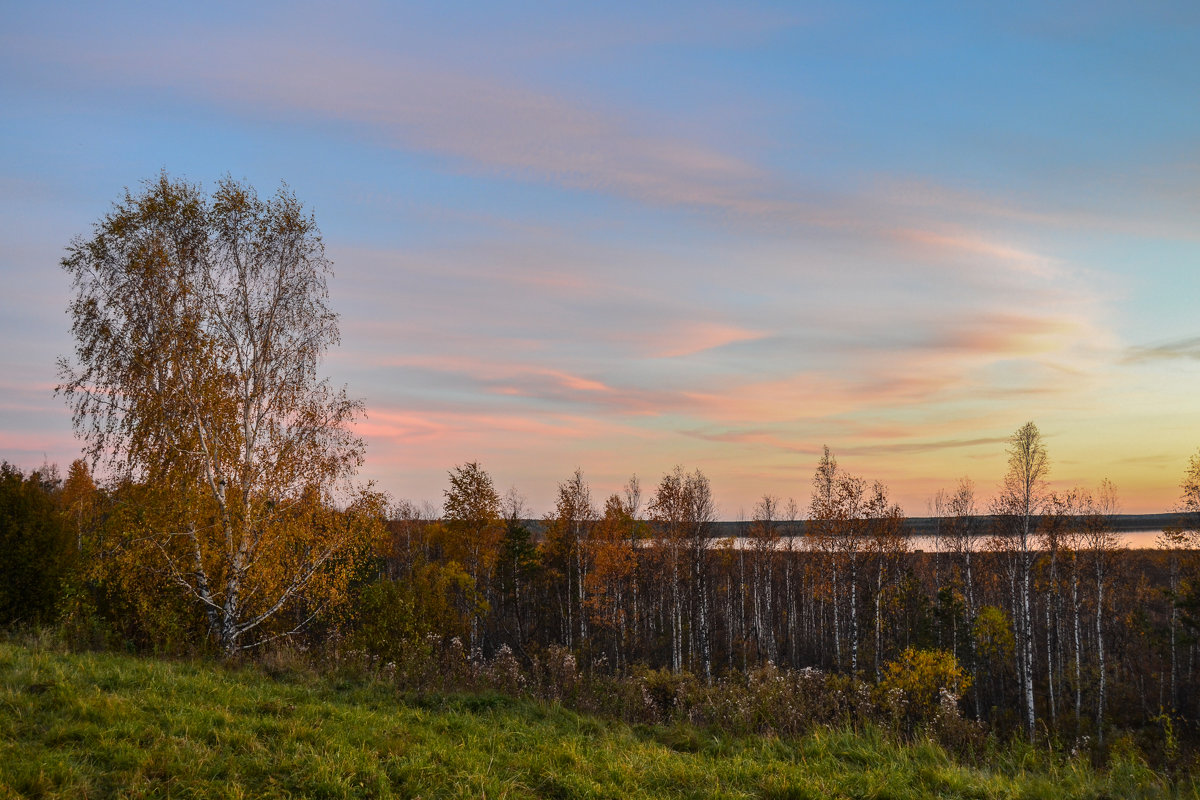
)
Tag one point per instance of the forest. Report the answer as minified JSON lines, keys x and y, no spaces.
{"x":1031,"y":618}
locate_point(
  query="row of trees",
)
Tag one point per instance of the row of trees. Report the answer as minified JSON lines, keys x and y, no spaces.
{"x":1034,"y":594}
{"x":1057,"y":624}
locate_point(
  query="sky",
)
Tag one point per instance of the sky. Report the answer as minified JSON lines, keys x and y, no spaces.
{"x":625,"y":236}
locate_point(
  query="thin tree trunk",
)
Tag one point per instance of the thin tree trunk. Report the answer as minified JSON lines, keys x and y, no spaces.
{"x":878,"y":618}
{"x":1078,"y":642}
{"x":1050,"y":660}
{"x":1100,"y":652}
{"x":1027,"y":655}
{"x":676,"y":621}
{"x":837,"y":628}
{"x":729,"y":620}
{"x":853,"y":618}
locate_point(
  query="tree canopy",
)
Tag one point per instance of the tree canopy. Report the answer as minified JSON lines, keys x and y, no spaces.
{"x":199,"y":324}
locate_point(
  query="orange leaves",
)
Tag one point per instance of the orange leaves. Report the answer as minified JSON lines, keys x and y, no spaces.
{"x":199,"y":324}
{"x":472,"y":520}
{"x":613,"y":562}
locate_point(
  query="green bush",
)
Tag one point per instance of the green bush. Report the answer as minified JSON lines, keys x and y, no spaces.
{"x":921,"y":684}
{"x":389,"y":628}
{"x":400,"y":624}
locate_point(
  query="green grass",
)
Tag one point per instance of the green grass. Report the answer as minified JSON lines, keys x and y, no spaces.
{"x":105,"y":725}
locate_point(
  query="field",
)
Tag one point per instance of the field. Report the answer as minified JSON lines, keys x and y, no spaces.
{"x":106,"y":725}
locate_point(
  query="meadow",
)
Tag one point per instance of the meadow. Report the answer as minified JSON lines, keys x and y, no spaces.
{"x":99,"y":725}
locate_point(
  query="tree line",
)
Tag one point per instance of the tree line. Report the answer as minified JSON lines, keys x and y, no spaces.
{"x":1033,"y":593}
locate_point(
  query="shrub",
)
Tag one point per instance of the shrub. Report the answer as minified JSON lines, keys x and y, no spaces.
{"x":36,"y":551}
{"x":920,"y":684}
{"x":993,"y":634}
{"x":404,"y":623}
{"x":388,"y":627}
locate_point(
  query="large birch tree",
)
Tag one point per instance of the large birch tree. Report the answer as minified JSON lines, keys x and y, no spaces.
{"x":199,"y":325}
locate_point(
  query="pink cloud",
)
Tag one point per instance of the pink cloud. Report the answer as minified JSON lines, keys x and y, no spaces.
{"x":689,"y":338}
{"x":575,"y":382}
{"x":971,"y":245}
{"x":1009,"y":335}
{"x":31,"y":441}
{"x":400,"y":425}
{"x":500,"y":373}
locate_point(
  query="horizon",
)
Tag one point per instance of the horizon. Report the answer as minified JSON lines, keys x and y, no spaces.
{"x":626,"y":238}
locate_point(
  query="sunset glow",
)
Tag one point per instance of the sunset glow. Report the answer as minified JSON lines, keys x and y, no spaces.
{"x":623,"y":239}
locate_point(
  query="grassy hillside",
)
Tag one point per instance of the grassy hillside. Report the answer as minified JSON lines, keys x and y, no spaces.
{"x":104,"y":725}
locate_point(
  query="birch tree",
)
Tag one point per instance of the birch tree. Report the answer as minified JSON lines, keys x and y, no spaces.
{"x":1104,"y":547}
{"x":199,"y":325}
{"x":838,"y":530}
{"x":1021,"y":498}
{"x":821,"y":533}
{"x":613,"y":560}
{"x":1179,"y":540}
{"x":683,"y":511}
{"x":888,"y":544}
{"x":763,"y":542}
{"x":963,"y":535}
{"x":471,"y":511}
{"x":567,"y":537}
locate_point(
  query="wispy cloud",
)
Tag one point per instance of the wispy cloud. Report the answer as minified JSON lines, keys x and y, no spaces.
{"x":909,"y":448}
{"x":958,"y":245}
{"x":1188,"y":349}
{"x":491,"y":125}
{"x":692,"y":337}
{"x":483,"y":122}
{"x":1002,"y":334}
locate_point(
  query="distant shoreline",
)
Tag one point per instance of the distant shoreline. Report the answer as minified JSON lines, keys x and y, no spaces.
{"x":927,"y":526}
{"x":919,"y":526}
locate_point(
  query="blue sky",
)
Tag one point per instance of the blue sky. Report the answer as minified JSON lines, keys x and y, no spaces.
{"x":622,"y":237}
